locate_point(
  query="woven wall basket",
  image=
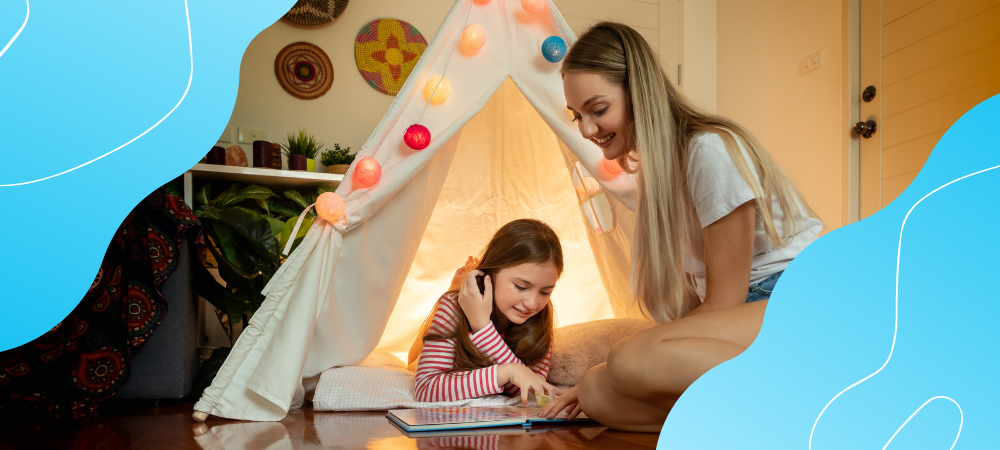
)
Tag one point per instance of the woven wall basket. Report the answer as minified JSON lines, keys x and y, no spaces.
{"x":303,"y":70}
{"x":315,"y":12}
{"x":386,"y":51}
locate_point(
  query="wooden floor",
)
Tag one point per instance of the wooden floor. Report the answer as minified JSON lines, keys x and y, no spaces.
{"x":120,"y":427}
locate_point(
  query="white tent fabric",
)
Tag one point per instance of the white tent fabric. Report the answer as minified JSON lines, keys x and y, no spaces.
{"x":329,"y":303}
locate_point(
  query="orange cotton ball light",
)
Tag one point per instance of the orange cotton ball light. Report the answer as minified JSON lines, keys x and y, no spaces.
{"x":367,"y":172}
{"x":534,"y":6}
{"x":474,"y":36}
{"x":330,"y":206}
{"x":437,"y":89}
{"x":611,"y":166}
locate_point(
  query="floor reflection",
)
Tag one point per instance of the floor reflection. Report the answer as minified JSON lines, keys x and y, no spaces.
{"x":171,"y":428}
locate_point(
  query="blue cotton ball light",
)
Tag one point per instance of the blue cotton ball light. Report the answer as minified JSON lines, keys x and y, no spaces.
{"x":554,"y":49}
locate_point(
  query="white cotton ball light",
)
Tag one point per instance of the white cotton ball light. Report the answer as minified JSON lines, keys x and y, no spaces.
{"x":437,"y":97}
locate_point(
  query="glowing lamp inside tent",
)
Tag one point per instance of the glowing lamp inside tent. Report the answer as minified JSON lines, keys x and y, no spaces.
{"x":534,"y":6}
{"x":367,"y":172}
{"x":474,"y":36}
{"x":611,"y":167}
{"x":417,"y":137}
{"x":589,"y":186}
{"x":330,"y":206}
{"x":443,"y":86}
{"x":554,"y":49}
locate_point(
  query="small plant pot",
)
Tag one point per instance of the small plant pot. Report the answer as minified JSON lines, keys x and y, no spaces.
{"x":297,"y":162}
{"x":310,"y":165}
{"x":338,"y":168}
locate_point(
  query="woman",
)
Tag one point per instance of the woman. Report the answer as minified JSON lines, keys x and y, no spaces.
{"x":717,"y":223}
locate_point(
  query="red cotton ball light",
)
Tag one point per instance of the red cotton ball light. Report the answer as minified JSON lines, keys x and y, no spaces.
{"x":611,"y":166}
{"x":534,"y":6}
{"x":367,"y":172}
{"x":330,"y":206}
{"x":474,"y":36}
{"x":417,"y":137}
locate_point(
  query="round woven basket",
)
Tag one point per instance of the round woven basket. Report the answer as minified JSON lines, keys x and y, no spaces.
{"x":338,"y":168}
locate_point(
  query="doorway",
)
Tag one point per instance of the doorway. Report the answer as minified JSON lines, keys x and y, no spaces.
{"x":923,"y":63}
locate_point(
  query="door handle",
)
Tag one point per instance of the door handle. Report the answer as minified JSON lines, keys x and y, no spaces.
{"x":868,"y":94}
{"x":866,"y":129}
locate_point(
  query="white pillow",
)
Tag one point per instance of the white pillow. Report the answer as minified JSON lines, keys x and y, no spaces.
{"x":382,"y":382}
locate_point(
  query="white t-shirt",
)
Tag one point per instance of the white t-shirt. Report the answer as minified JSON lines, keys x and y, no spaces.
{"x":717,"y":188}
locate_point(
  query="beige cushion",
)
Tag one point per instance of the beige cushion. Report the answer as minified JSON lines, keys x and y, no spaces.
{"x":584,"y":345}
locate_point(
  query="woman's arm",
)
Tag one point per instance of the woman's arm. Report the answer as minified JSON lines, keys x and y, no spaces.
{"x":728,"y":256}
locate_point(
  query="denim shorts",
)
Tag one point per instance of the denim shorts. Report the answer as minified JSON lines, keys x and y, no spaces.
{"x":761,"y":290}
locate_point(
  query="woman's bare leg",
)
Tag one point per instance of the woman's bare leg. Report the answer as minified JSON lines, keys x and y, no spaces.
{"x":653,"y":367}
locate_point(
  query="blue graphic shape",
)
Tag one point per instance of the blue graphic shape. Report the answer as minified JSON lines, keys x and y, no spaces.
{"x":832,"y":322}
{"x":81,"y":80}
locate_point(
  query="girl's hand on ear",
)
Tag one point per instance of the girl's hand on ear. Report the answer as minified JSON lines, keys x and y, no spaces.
{"x":456,"y":282}
{"x":526,"y":380}
{"x":477,"y":306}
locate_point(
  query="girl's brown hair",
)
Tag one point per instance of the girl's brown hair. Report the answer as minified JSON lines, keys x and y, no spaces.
{"x":518,"y":242}
{"x":661,"y":126}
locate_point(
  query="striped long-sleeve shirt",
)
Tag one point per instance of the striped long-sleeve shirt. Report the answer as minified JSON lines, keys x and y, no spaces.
{"x":436,"y":380}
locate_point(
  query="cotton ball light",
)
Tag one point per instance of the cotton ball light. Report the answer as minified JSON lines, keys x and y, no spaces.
{"x":474,"y":36}
{"x":588,"y":186}
{"x":554,"y":49}
{"x":417,"y":137}
{"x":611,"y":166}
{"x":437,"y":97}
{"x":367,"y":172}
{"x":534,"y":6}
{"x":330,"y":206}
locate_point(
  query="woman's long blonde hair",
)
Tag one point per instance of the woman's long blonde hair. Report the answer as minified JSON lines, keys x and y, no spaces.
{"x":662,"y":124}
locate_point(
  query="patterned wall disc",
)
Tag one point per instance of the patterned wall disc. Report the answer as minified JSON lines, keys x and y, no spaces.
{"x":386,"y":51}
{"x":315,"y":12}
{"x":303,"y":70}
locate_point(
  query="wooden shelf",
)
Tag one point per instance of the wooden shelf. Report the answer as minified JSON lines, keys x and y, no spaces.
{"x":269,"y":178}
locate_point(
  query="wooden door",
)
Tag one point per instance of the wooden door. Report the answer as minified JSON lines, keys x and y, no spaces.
{"x":930,"y":62}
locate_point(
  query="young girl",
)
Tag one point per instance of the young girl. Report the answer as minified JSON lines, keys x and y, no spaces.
{"x":498,"y":340}
{"x":716,"y":225}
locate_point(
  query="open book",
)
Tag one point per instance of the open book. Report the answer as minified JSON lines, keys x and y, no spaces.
{"x":456,"y":418}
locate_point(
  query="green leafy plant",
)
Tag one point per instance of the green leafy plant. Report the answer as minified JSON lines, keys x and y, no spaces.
{"x":337,"y":156}
{"x":301,"y":143}
{"x":245,"y":229}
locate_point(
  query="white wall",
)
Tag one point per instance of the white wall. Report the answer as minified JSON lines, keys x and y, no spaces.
{"x":799,"y":118}
{"x":349,"y":112}
{"x":699,"y":52}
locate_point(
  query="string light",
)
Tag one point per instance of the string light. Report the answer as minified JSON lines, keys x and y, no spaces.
{"x":611,"y":166}
{"x":554,"y":49}
{"x":441,"y":94}
{"x":474,"y":36}
{"x":330,"y":206}
{"x":587,"y":187}
{"x":534,"y":6}
{"x":417,"y":137}
{"x":367,"y":172}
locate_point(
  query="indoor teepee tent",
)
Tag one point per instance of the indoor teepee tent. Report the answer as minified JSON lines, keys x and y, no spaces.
{"x":502,"y":146}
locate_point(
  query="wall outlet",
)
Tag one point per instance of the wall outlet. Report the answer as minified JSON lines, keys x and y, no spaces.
{"x":248,"y":135}
{"x":810,"y":63}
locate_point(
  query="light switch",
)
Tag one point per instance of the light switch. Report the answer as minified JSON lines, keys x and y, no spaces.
{"x":248,"y":135}
{"x":810,"y":63}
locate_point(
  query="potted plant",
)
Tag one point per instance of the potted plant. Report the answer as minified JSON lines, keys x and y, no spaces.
{"x":245,"y":230}
{"x":301,"y":149}
{"x":338,"y":160}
